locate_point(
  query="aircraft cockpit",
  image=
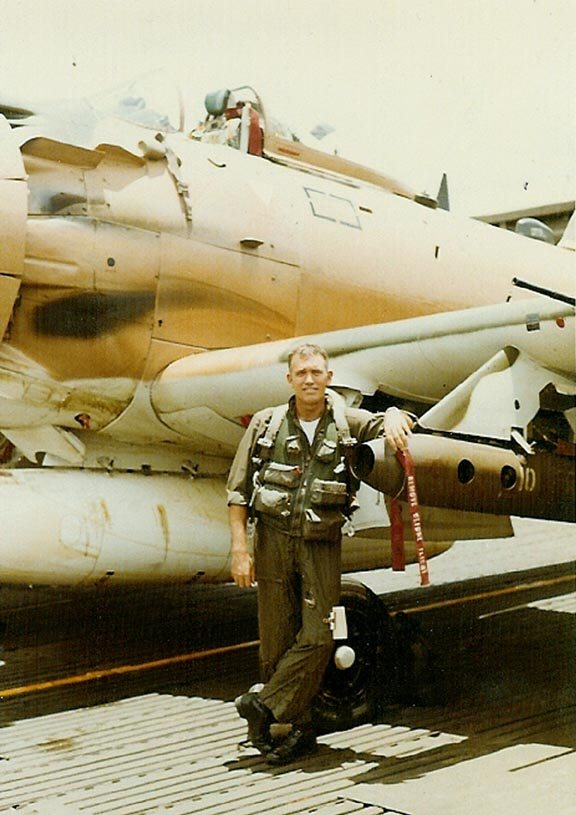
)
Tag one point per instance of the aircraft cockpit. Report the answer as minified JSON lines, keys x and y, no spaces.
{"x":236,"y":118}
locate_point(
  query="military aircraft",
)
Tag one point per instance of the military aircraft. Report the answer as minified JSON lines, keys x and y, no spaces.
{"x":152,"y":282}
{"x":153,"y":278}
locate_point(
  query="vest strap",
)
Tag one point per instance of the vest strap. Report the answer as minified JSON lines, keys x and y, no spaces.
{"x":269,"y":437}
{"x":338,"y":406}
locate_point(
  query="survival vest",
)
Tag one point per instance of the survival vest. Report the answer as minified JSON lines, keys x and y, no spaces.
{"x":301,"y":489}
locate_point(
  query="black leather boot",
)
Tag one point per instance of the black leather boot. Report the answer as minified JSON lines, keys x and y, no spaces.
{"x":259,"y":719}
{"x":299,"y":742}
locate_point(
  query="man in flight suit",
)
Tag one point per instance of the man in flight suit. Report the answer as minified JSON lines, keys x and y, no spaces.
{"x":291,"y":467}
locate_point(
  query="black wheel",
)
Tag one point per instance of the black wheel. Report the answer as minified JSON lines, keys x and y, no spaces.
{"x":353,"y":696}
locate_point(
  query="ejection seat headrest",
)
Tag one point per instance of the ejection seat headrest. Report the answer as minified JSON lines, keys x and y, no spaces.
{"x":217,"y":102}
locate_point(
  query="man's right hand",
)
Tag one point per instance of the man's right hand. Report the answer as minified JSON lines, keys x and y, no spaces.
{"x":242,"y":565}
{"x":242,"y":569}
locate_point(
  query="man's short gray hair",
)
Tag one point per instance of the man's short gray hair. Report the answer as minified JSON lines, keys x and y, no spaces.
{"x":308,"y":349}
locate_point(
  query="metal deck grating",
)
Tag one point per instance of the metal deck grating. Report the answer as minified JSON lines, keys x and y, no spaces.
{"x":167,"y":755}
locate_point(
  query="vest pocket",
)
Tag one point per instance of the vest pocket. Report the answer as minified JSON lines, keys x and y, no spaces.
{"x":327,"y":451}
{"x":272,"y":502}
{"x":328,"y":493}
{"x":282,"y":475}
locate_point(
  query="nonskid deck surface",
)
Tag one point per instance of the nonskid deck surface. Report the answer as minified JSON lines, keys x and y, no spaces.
{"x":502,"y":740}
{"x":160,"y":754}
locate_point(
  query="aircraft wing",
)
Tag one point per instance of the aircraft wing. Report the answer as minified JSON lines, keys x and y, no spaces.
{"x":143,"y":498}
{"x":479,"y":372}
{"x":419,"y":361}
{"x":498,"y":383}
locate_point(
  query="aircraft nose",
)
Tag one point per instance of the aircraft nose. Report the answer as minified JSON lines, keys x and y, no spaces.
{"x":11,"y":163}
{"x":13,"y":216}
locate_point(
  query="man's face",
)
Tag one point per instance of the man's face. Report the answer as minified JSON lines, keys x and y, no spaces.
{"x":309,"y":379}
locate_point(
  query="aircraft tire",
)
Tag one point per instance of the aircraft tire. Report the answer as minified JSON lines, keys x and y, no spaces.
{"x":354,"y":696}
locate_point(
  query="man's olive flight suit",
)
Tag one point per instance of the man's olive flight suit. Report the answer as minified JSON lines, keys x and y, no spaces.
{"x":300,"y":494}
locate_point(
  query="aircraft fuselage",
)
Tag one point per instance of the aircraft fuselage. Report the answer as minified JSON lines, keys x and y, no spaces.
{"x":126,"y":264}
